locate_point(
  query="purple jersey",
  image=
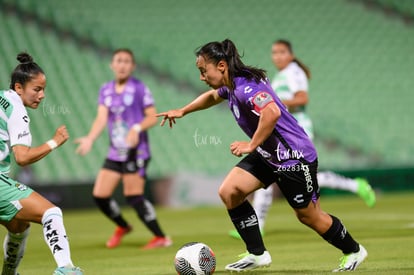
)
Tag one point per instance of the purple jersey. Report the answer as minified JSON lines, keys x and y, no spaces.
{"x":288,"y":144}
{"x":124,"y":110}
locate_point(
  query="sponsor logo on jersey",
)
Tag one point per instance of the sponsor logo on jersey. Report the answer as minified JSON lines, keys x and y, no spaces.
{"x":22,"y":135}
{"x":4,"y":103}
{"x":25,"y":119}
{"x":288,"y":153}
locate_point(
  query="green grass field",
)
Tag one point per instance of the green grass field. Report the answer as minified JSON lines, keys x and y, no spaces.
{"x":387,"y":231}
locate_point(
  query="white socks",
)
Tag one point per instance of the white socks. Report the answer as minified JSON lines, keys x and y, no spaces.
{"x":14,"y":246}
{"x":55,"y":236}
{"x":262,"y":201}
{"x":336,"y":181}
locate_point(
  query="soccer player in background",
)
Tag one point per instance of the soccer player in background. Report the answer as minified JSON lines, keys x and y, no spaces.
{"x":291,"y":86}
{"x":126,"y":107}
{"x":279,"y":151}
{"x":19,"y":204}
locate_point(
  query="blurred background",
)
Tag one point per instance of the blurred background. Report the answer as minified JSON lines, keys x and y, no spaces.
{"x":360,"y":52}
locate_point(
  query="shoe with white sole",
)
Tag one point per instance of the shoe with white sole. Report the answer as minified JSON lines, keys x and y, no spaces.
{"x":351,"y":261}
{"x":250,"y":261}
{"x":68,"y":271}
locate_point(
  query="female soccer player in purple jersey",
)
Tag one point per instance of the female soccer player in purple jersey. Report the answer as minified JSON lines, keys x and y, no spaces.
{"x":291,"y":86}
{"x":279,"y":151}
{"x":126,"y":107}
{"x":19,"y":204}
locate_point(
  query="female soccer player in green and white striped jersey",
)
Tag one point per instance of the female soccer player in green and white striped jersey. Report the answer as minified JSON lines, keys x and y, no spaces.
{"x":19,"y":204}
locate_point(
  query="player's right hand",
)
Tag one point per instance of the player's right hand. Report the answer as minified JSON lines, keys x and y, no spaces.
{"x":85,"y":145}
{"x":170,"y":115}
{"x":61,"y":135}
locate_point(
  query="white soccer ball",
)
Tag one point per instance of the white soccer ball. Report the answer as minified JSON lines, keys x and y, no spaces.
{"x":195,"y":259}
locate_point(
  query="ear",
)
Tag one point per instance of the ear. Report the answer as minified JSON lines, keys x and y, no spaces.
{"x":222,"y":66}
{"x":18,"y":87}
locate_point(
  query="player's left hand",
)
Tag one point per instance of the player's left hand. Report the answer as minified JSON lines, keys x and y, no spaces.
{"x":238,"y":148}
{"x":132,"y":139}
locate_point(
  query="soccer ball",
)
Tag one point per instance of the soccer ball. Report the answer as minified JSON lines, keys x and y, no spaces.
{"x":195,"y":259}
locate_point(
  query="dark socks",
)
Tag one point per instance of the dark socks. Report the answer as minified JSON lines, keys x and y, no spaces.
{"x":338,"y":236}
{"x":245,"y":220}
{"x":111,"y":209}
{"x":146,"y":213}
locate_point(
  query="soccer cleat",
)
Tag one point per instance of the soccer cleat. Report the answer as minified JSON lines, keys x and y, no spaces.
{"x":158,"y":242}
{"x":249,"y":262}
{"x":365,"y":192}
{"x":68,"y":271}
{"x":234,"y":234}
{"x":116,"y":238}
{"x":350,"y":261}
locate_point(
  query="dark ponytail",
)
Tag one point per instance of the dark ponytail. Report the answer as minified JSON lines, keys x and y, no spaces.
{"x":227,"y":51}
{"x":289,"y":46}
{"x":25,"y":71}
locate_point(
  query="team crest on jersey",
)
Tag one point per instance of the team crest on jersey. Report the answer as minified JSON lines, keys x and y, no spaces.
{"x":128,"y":99}
{"x":20,"y":186}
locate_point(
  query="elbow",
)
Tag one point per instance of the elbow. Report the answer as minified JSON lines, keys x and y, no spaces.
{"x":22,"y":161}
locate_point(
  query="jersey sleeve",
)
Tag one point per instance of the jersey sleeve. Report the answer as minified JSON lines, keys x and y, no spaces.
{"x":297,"y":81}
{"x":260,"y":100}
{"x":148,"y":99}
{"x":18,"y":127}
{"x":223,"y":92}
{"x":101,"y":97}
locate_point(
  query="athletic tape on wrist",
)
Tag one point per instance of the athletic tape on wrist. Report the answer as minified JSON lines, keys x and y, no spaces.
{"x":137,"y":127}
{"x":52,"y":144}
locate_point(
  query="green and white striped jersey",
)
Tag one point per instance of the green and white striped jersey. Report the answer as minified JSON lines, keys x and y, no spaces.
{"x":14,"y":127}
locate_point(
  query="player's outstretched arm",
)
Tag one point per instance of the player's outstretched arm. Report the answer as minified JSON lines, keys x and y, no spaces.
{"x":25,"y":155}
{"x":204,"y":101}
{"x":99,"y":124}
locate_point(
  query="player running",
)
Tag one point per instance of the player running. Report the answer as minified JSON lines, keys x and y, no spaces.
{"x":291,"y":86}
{"x":126,"y":107}
{"x":19,"y":204}
{"x":279,"y":151}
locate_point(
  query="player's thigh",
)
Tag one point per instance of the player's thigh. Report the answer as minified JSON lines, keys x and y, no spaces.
{"x":33,"y":208}
{"x":133,"y":184}
{"x":237,"y":185}
{"x":106,"y":182}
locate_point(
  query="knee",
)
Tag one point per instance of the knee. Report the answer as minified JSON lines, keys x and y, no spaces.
{"x":304,"y":219}
{"x":231,"y":196}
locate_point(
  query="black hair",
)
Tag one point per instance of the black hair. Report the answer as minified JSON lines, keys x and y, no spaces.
{"x":289,"y":46}
{"x":227,"y":51}
{"x":124,"y":50}
{"x":25,"y":71}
